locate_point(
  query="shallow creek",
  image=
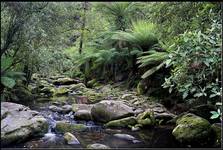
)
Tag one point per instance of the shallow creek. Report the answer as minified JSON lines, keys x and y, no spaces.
{"x":96,"y":133}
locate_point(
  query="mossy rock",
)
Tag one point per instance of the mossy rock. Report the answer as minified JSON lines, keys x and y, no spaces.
{"x":193,"y":130}
{"x":63,"y":127}
{"x":60,"y":91}
{"x":79,"y":86}
{"x":122,"y":123}
{"x":146,"y":119}
{"x":93,"y":96}
{"x":217,"y":131}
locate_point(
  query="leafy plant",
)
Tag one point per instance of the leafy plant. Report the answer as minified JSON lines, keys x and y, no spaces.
{"x":196,"y":64}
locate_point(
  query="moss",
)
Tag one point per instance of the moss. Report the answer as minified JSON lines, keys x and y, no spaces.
{"x":146,"y":118}
{"x":192,"y":119}
{"x":192,"y":129}
{"x":60,"y":91}
{"x":63,"y":127}
{"x":125,"y":122}
{"x":93,"y":96}
{"x":79,"y":86}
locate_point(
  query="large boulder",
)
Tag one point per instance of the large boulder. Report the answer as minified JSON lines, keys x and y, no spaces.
{"x":108,"y":110}
{"x":83,"y":115}
{"x":82,"y":111}
{"x":18,"y":123}
{"x":125,"y":122}
{"x":193,"y":130}
{"x":77,"y":107}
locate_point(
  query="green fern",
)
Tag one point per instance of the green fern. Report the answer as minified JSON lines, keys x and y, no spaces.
{"x":142,"y":34}
{"x":153,"y":58}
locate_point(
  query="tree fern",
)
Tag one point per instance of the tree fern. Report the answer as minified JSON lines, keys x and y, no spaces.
{"x":142,"y":34}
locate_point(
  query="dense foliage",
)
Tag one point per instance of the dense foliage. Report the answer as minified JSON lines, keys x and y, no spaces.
{"x":177,"y":44}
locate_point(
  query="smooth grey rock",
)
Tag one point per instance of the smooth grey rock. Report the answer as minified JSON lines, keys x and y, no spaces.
{"x":18,"y":123}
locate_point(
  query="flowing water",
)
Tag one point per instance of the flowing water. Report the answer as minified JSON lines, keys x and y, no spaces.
{"x":146,"y":138}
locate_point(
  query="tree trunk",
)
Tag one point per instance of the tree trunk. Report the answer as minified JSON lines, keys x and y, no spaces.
{"x":83,"y":28}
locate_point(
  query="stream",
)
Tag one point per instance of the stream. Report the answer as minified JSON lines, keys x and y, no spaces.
{"x":146,"y":138}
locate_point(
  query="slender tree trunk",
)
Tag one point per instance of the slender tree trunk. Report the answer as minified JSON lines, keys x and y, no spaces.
{"x":83,"y":28}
